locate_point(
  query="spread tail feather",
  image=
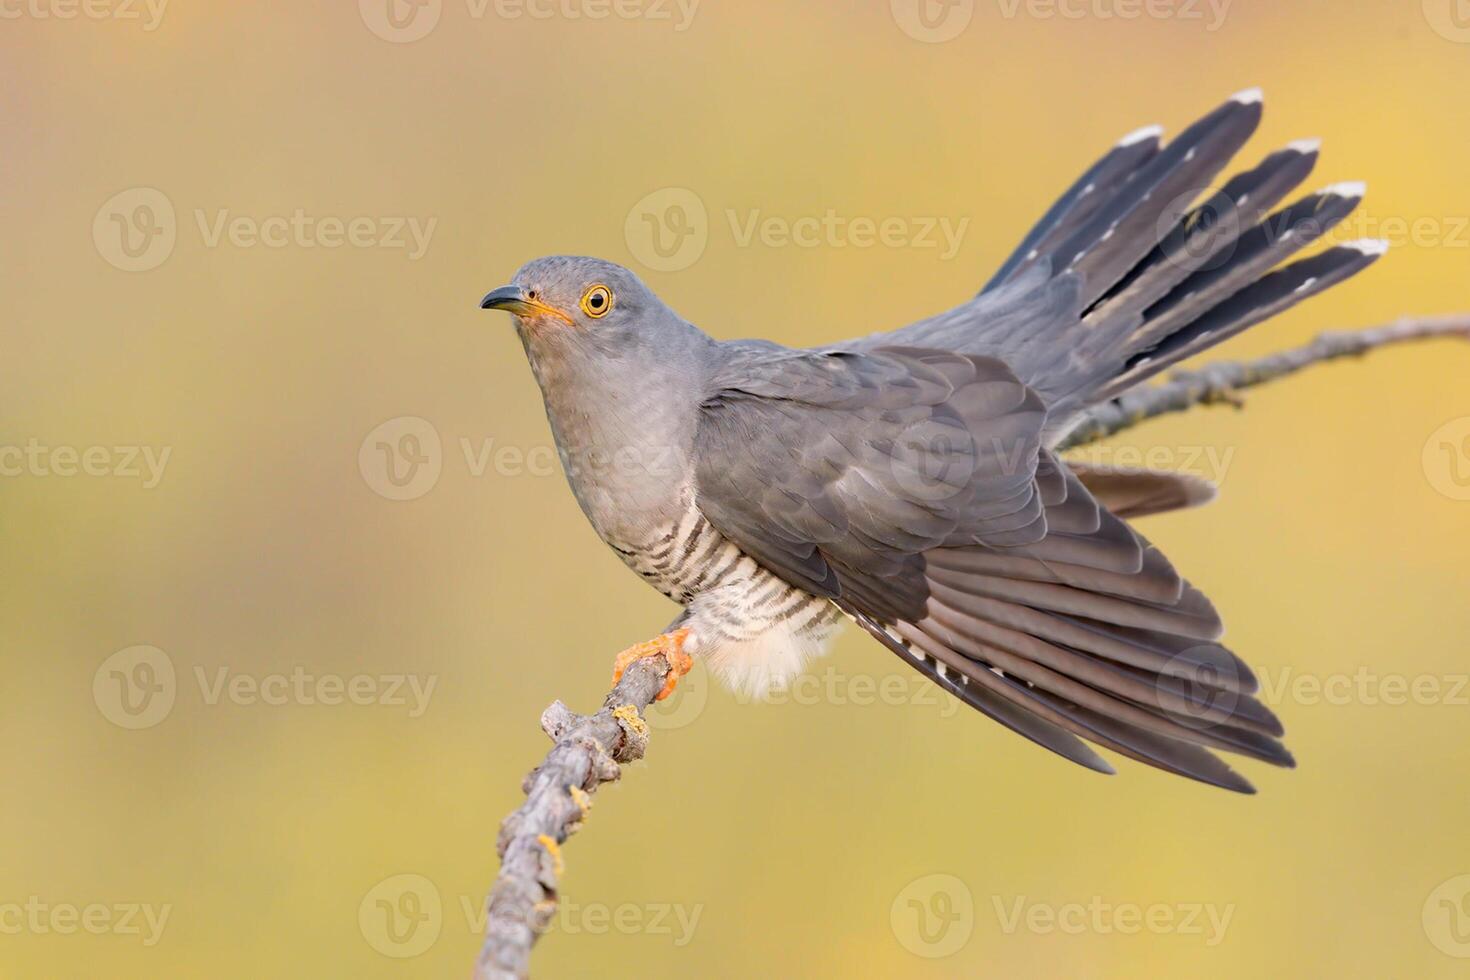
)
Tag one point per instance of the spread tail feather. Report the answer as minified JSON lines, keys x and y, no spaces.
{"x":1160,"y":281}
{"x":1130,"y":493}
{"x":1126,"y":274}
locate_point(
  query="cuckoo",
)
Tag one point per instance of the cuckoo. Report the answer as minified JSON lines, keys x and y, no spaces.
{"x":910,"y":482}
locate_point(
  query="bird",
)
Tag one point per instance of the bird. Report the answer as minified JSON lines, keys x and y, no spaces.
{"x":911,"y":481}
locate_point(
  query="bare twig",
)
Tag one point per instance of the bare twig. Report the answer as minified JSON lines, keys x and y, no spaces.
{"x":1217,"y":383}
{"x":588,"y":751}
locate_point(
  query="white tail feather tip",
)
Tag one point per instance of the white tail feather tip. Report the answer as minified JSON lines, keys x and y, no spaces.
{"x":1346,"y":188}
{"x":1248,"y":96}
{"x":1141,"y":134}
{"x":1305,"y":146}
{"x":1368,"y":246}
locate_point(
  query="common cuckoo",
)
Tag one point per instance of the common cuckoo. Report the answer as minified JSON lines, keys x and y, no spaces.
{"x":910,"y":481}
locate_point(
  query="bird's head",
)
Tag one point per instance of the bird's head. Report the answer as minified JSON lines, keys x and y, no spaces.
{"x":566,"y":304}
{"x":608,"y":355}
{"x":596,"y":336}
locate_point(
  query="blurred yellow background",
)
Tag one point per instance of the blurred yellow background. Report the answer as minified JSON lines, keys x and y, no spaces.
{"x":263,"y":720}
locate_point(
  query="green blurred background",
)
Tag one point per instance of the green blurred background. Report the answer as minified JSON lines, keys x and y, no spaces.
{"x":178,"y":649}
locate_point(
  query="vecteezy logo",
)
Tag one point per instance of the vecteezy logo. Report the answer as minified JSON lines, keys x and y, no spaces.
{"x":1450,"y":19}
{"x":934,"y":462}
{"x":933,"y":21}
{"x":1447,"y":917}
{"x":685,"y":704}
{"x":402,"y":458}
{"x":933,"y":916}
{"x":1200,"y":685}
{"x":668,"y":229}
{"x":135,"y":229}
{"x":1446,"y":459}
{"x":400,"y":21}
{"x":401,"y":916}
{"x":135,"y":688}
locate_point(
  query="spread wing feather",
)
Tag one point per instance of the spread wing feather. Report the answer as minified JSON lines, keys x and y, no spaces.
{"x":816,"y":462}
{"x":912,"y":489}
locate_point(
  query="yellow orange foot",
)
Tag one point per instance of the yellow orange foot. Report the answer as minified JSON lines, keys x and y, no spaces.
{"x":671,"y":645}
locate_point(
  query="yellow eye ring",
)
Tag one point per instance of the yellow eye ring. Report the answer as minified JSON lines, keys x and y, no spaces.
{"x":597,"y":301}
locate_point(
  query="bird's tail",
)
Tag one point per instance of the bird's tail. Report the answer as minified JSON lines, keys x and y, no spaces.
{"x":1151,"y":276}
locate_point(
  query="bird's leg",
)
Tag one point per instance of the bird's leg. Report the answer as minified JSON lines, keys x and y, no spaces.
{"x":671,"y":645}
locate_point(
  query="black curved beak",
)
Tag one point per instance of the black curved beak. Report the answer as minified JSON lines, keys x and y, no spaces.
{"x":513,"y":299}
{"x":505,"y":298}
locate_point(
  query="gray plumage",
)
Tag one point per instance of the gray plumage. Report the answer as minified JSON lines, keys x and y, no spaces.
{"x":907,"y":480}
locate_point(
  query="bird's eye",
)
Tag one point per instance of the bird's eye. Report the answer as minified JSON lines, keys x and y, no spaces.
{"x":597,"y":301}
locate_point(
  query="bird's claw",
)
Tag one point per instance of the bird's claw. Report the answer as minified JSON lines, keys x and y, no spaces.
{"x":671,"y":646}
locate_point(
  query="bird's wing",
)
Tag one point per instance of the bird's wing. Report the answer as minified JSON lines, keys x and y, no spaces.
{"x":835,"y":470}
{"x":911,"y":488}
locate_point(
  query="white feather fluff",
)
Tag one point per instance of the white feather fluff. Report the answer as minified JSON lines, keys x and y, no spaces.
{"x":770,"y":662}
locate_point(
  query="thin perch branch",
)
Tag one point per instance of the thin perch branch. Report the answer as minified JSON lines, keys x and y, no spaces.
{"x":1216,"y":383}
{"x":588,"y":751}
